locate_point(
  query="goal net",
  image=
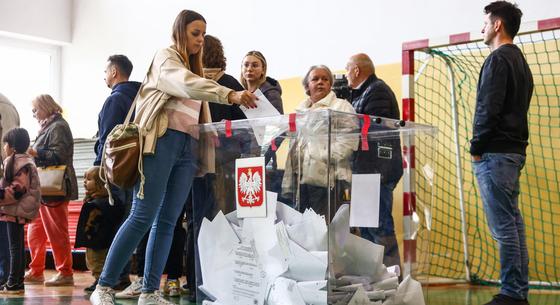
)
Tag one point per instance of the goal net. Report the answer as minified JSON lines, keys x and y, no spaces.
{"x":443,"y":93}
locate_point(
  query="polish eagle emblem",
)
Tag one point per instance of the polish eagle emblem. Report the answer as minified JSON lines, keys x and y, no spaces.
{"x":250,"y":187}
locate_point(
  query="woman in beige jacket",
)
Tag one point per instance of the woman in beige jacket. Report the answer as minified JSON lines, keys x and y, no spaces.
{"x":307,"y":167}
{"x":168,"y":104}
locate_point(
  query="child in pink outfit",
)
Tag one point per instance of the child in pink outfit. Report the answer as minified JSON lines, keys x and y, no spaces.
{"x":20,"y":198}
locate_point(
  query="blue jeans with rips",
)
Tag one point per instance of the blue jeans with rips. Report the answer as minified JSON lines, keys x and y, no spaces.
{"x":385,"y":234}
{"x":498,"y":181}
{"x":169,"y":175}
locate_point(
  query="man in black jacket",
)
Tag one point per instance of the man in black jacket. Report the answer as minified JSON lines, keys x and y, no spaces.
{"x":500,"y":138}
{"x":372,"y":96}
{"x":114,"y":112}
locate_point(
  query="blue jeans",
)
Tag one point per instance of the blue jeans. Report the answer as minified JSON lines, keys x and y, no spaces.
{"x":385,"y":233}
{"x":4,"y":253}
{"x":169,"y":174}
{"x":498,"y":181}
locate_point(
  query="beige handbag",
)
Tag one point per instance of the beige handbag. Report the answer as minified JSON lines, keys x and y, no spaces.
{"x":52,"y":180}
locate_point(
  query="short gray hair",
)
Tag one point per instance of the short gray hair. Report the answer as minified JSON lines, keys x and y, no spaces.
{"x":305,"y":81}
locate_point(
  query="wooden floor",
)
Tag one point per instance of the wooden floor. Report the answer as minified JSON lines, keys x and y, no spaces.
{"x":440,"y":295}
{"x":41,"y":295}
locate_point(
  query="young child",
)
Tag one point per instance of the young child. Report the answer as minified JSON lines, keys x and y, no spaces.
{"x":98,"y":223}
{"x":20,"y":199}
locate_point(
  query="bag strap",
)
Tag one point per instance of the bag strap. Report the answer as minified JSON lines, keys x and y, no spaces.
{"x":102,"y":172}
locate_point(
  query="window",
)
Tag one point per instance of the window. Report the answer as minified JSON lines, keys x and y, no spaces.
{"x":28,"y":69}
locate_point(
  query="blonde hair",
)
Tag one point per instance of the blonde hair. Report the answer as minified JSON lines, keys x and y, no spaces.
{"x":100,"y":189}
{"x":47,"y":104}
{"x":260,"y":57}
{"x":193,"y":62}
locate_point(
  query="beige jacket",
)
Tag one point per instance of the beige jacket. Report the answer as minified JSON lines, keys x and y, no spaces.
{"x":168,"y":78}
{"x":308,"y":155}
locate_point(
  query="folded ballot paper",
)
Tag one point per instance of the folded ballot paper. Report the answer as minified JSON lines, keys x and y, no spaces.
{"x":283,"y":259}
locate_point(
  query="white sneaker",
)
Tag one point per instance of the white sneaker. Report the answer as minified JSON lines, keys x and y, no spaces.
{"x":102,"y":296}
{"x":154,"y":298}
{"x":132,"y":291}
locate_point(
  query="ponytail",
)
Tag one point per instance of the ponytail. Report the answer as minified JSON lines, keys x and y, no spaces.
{"x":18,"y":140}
{"x":10,"y":168}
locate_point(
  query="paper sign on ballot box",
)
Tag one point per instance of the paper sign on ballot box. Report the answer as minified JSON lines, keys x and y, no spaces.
{"x":250,"y":187}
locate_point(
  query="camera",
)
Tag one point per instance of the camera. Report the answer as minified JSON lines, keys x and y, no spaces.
{"x":340,"y":86}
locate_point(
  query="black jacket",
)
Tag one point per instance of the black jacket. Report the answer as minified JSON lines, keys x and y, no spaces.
{"x":503,"y":95}
{"x":226,"y":112}
{"x":55,"y":146}
{"x":273,"y":92}
{"x":376,"y":98}
{"x":384,"y":156}
{"x":98,"y":223}
{"x":114,"y":112}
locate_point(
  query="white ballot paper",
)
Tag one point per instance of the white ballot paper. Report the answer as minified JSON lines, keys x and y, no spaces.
{"x":312,"y":292}
{"x":364,"y":205}
{"x":310,"y":232}
{"x":352,"y":254}
{"x":408,"y":293}
{"x":249,"y":284}
{"x":264,"y":108}
{"x":216,"y":259}
{"x":360,"y":298}
{"x":263,"y":134}
{"x":284,"y":291}
{"x":287,"y":214}
{"x":250,"y":187}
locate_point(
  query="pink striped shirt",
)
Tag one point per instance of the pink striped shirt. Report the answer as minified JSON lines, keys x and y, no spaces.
{"x":183,"y":113}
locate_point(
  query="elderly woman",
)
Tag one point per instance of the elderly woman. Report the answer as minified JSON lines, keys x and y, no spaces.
{"x":307,"y":160}
{"x":54,"y":145}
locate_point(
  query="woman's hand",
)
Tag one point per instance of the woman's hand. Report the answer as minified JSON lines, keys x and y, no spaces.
{"x":243,"y":98}
{"x":32,"y":152}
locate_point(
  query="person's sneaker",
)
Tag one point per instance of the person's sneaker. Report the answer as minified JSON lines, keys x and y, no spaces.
{"x":15,"y":289}
{"x":502,"y":299}
{"x":154,"y":298}
{"x":60,"y":280}
{"x":172,"y":288}
{"x":91,"y":288}
{"x":33,"y":279}
{"x":102,"y":296}
{"x":132,"y":291}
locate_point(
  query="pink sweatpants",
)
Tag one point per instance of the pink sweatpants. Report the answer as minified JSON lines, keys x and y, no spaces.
{"x":52,"y":223}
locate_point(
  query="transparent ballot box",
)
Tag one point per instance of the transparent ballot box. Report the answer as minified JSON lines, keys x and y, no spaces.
{"x":296,"y":209}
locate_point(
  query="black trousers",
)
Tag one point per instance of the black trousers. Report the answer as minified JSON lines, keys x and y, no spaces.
{"x":174,"y":265}
{"x":17,"y":253}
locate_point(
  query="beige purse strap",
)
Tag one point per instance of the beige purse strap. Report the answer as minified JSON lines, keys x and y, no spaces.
{"x":103,"y":173}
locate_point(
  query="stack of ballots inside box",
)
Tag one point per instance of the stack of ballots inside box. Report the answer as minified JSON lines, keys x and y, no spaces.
{"x":290,"y":257}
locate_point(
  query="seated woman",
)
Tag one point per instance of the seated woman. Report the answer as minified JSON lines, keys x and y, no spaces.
{"x":308,"y":154}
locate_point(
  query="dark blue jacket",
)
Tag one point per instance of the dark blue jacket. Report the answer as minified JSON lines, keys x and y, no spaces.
{"x":384,"y":156}
{"x":504,"y":91}
{"x":114,"y":112}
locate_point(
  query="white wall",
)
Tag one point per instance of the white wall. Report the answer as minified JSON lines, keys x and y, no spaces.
{"x":293,"y":34}
{"x":43,"y":20}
